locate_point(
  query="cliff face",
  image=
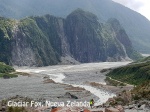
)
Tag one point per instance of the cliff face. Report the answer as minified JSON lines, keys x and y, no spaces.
{"x":41,"y":41}
{"x":27,"y":45}
{"x":122,"y":37}
{"x":85,"y":42}
{"x":88,"y":40}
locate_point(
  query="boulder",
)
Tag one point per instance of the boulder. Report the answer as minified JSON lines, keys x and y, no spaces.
{"x":6,"y":77}
{"x":120,"y":108}
{"x":46,"y":77}
{"x":48,"y":81}
{"x":55,"y":109}
{"x":68,"y":95}
{"x":71,"y":96}
{"x":111,"y":109}
{"x":86,"y":110}
{"x":111,"y":100}
{"x":131,"y":106}
{"x":3,"y":108}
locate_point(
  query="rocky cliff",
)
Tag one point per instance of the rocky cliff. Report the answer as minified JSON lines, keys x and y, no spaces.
{"x":41,"y":41}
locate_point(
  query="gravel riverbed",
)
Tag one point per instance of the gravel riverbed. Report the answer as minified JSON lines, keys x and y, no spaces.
{"x":65,"y":76}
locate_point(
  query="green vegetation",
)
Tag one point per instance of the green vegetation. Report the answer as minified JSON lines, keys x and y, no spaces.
{"x":133,"y":54}
{"x":5,"y":71}
{"x":147,"y":59}
{"x":48,"y":25}
{"x":142,"y":91}
{"x":6,"y":25}
{"x":123,"y":38}
{"x":40,"y":44}
{"x":16,"y":109}
{"x":135,"y":73}
{"x":114,"y":82}
{"x":8,"y":75}
{"x":5,"y":39}
{"x":27,"y":34}
{"x":5,"y":68}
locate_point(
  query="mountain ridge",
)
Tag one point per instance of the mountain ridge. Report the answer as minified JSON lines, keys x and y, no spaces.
{"x":136,"y":26}
{"x":42,"y":41}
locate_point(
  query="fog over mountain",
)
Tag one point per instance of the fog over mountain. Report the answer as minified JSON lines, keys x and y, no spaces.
{"x":136,"y":25}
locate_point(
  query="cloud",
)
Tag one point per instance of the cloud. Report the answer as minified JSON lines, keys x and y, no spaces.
{"x":133,"y":4}
{"x":141,"y":6}
{"x":145,"y":9}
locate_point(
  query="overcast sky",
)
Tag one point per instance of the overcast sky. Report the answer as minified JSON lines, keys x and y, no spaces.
{"x":141,"y":6}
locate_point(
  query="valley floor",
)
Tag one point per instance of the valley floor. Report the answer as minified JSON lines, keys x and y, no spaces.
{"x":62,"y":83}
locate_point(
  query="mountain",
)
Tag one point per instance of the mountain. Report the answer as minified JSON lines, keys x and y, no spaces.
{"x":136,"y":26}
{"x":105,"y":42}
{"x":43,"y":40}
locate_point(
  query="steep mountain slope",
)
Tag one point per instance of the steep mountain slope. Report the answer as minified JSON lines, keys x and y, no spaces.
{"x":25,"y":44}
{"x":136,"y":73}
{"x":43,"y":40}
{"x":136,"y":26}
{"x":91,"y":41}
{"x":122,"y":36}
{"x":86,"y":42}
{"x":5,"y":42}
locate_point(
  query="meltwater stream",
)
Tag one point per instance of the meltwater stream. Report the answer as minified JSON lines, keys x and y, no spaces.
{"x":102,"y":95}
{"x":74,"y":78}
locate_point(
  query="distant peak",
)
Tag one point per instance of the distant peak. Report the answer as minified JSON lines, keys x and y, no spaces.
{"x":115,"y":23}
{"x":81,"y":13}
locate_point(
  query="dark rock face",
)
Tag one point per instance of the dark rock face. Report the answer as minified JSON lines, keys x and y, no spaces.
{"x":91,"y":41}
{"x":123,"y":38}
{"x":83,"y":38}
{"x":41,"y":41}
{"x":120,"y":32}
{"x":5,"y":48}
{"x":22,"y":53}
